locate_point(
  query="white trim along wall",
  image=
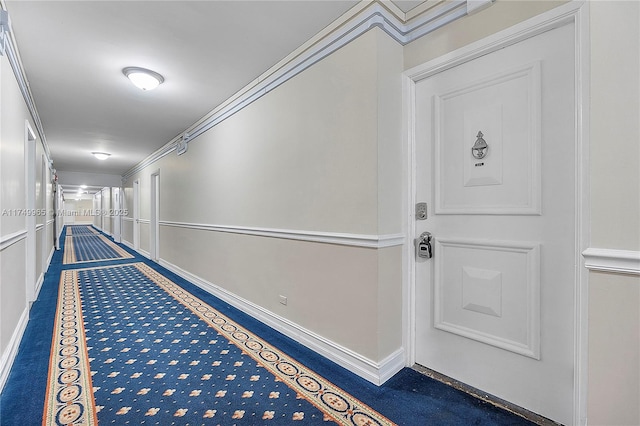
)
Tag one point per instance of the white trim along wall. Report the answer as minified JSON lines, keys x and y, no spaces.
{"x":353,"y":240}
{"x":22,"y":266}
{"x":609,"y":260}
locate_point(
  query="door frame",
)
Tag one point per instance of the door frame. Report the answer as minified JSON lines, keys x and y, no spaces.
{"x":154,"y":231}
{"x":136,"y":214}
{"x":45,"y":179}
{"x":576,"y":13}
{"x":30,"y":139}
{"x":116,"y":209}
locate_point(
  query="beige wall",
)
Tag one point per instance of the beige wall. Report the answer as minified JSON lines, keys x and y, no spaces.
{"x":615,"y":124}
{"x":614,"y":350}
{"x":321,"y":153}
{"x":614,"y":317}
{"x":78,"y":211}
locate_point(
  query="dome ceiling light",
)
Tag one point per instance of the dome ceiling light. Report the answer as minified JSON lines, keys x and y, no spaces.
{"x":101,"y":155}
{"x":143,"y":78}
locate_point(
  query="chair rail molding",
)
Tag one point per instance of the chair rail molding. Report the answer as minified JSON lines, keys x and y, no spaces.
{"x":9,"y":240}
{"x":353,"y":240}
{"x":611,"y":260}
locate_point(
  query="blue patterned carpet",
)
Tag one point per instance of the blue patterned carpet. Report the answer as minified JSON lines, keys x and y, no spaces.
{"x":85,"y":244}
{"x":136,"y":344}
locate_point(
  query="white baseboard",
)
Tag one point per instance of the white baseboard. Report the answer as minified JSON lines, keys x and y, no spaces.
{"x":38,"y":287}
{"x":39,"y":283}
{"x":139,"y":251}
{"x":53,"y":250}
{"x":374,"y":372}
{"x":9,"y":354}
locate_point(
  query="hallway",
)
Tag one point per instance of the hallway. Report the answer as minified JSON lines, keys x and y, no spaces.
{"x":152,"y":361}
{"x":368,"y":185}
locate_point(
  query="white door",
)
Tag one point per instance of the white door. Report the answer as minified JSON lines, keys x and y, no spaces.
{"x":494,"y":307}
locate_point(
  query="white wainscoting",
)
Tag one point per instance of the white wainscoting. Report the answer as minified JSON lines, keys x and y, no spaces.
{"x":610,"y":260}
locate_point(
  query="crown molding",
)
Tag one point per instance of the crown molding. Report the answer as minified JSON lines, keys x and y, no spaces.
{"x":403,"y":28}
{"x":10,"y":50}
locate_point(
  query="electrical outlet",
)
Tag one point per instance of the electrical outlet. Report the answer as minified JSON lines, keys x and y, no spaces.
{"x":283,"y":300}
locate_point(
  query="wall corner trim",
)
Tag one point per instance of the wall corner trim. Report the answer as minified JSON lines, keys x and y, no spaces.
{"x":611,"y":260}
{"x":9,"y":354}
{"x":372,"y":371}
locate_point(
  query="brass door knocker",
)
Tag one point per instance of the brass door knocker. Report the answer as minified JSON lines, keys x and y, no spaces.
{"x":480,"y":148}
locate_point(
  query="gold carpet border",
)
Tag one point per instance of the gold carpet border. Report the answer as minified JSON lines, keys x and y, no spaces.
{"x":70,"y":375}
{"x":327,"y":397}
{"x":69,"y":398}
{"x":70,"y":253}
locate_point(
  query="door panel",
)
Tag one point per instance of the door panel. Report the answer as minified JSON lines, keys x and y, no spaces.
{"x":503,"y":106}
{"x":488,"y":291}
{"x":494,"y":307}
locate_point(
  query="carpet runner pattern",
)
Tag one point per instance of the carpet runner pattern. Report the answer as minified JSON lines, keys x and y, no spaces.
{"x":130,"y":346}
{"x":85,"y":244}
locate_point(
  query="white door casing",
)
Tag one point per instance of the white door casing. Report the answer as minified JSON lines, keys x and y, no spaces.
{"x":30,"y":203}
{"x":154,"y":232}
{"x":44,"y":182}
{"x":136,"y":214}
{"x":115,"y":214}
{"x":498,"y":304}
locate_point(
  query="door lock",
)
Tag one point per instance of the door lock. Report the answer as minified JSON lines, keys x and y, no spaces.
{"x":424,"y":249}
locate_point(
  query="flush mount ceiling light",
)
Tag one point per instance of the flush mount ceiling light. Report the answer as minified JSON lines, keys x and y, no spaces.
{"x":143,"y":78}
{"x":101,"y":155}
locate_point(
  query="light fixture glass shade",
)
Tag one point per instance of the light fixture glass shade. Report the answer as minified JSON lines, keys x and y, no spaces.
{"x":143,"y":78}
{"x":101,"y":155}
